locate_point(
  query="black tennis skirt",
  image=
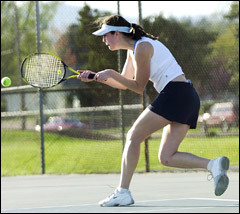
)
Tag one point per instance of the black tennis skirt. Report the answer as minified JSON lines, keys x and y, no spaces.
{"x":178,"y":102}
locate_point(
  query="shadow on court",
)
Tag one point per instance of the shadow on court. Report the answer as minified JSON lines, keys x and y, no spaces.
{"x":153,"y":193}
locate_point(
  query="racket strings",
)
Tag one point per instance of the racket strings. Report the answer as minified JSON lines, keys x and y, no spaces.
{"x":43,"y":70}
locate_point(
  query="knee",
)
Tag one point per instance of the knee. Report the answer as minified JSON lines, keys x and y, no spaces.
{"x":133,"y":136}
{"x":130,"y":135}
{"x":164,"y":159}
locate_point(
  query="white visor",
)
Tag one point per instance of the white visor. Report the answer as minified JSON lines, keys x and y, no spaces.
{"x":108,"y":28}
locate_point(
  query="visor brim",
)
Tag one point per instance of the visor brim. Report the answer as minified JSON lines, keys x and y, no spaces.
{"x":108,"y":28}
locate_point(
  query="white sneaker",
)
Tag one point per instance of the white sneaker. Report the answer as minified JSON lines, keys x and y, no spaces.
{"x":218,"y":168}
{"x":118,"y":198}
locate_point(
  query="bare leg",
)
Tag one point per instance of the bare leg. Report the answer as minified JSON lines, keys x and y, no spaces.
{"x":173,"y":134}
{"x":147,"y":123}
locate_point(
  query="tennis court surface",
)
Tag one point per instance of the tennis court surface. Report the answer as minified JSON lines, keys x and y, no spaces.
{"x":160,"y":192}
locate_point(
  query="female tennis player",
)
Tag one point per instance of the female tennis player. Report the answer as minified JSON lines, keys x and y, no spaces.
{"x":175,"y":109}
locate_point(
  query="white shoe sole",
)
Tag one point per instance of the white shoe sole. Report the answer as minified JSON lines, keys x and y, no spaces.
{"x":222,"y":180}
{"x":116,"y":205}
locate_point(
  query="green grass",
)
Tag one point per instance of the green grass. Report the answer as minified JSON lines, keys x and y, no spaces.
{"x":203,"y":147}
{"x":20,"y":153}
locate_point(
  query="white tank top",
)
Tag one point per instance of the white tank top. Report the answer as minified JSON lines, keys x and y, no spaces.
{"x":163,"y":66}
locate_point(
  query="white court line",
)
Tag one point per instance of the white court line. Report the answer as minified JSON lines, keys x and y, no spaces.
{"x":171,"y":209}
{"x":147,"y":201}
{"x":186,"y":208}
{"x":49,"y":207}
{"x":178,"y":199}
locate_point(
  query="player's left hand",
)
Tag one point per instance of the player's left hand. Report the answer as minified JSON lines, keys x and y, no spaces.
{"x":83,"y":75}
{"x":102,"y":76}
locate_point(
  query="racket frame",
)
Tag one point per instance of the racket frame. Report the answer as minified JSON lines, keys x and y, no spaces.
{"x":91,"y":76}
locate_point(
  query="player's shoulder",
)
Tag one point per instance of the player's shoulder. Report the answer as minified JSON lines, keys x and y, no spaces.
{"x":144,"y":43}
{"x":144,"y":48}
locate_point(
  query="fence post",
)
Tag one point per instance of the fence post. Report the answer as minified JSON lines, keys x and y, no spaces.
{"x":23,"y":119}
{"x":144,"y":98}
{"x":40,"y":92}
{"x":120,"y":66}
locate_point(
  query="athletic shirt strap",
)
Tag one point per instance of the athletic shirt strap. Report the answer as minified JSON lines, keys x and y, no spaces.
{"x":134,"y":45}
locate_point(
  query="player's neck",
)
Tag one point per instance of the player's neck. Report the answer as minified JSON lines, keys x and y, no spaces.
{"x":127,"y":44}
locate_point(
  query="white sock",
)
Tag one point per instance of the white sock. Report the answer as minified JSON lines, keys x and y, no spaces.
{"x":209,"y":166}
{"x":122,"y":190}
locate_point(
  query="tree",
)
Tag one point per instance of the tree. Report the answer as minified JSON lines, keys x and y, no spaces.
{"x":226,"y":50}
{"x":89,"y":52}
{"x":233,"y":63}
{"x":23,"y":17}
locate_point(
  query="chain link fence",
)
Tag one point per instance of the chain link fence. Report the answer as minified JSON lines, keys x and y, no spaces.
{"x":85,"y":125}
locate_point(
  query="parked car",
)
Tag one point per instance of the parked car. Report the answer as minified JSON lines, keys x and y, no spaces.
{"x":222,"y":115}
{"x":60,"y":123}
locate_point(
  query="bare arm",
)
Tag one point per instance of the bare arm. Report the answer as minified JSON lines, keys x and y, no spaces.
{"x":102,"y":76}
{"x":127,"y":80}
{"x":127,"y":72}
{"x":143,"y":56}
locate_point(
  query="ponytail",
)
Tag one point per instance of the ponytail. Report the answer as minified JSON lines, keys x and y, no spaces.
{"x":137,"y":32}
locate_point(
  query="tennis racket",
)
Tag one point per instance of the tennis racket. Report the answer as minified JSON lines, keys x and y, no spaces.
{"x":45,"y":70}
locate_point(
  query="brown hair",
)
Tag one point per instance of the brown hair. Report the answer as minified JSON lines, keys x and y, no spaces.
{"x":136,"y":31}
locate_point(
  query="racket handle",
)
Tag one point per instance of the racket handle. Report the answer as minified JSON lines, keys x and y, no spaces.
{"x":91,"y":76}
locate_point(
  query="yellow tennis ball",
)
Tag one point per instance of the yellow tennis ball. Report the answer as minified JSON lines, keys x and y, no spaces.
{"x":6,"y":81}
{"x":59,"y":71}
